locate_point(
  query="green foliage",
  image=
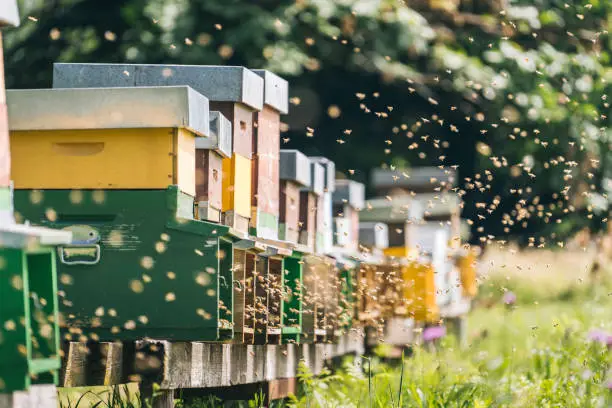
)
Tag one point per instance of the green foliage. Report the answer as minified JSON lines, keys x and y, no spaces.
{"x":532,"y":356}
{"x":120,"y":396}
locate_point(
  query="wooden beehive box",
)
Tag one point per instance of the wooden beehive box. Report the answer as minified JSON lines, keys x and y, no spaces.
{"x":295,"y":174}
{"x":309,"y":200}
{"x":29,"y":306}
{"x":374,"y":236}
{"x":130,"y":154}
{"x":316,"y":295}
{"x":402,"y":214}
{"x":210,"y":152}
{"x":266,"y":152}
{"x":348,"y":200}
{"x":236,"y":92}
{"x":325,"y":236}
{"x":119,"y":138}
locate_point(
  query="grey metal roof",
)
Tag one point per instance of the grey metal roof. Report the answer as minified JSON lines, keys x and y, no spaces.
{"x":410,"y":207}
{"x":418,"y":177}
{"x":217,"y":83}
{"x":374,"y":234}
{"x":107,"y":108}
{"x":276,"y":91}
{"x":220,"y":138}
{"x":317,"y":178}
{"x":330,"y":172}
{"x":295,"y":166}
{"x":349,"y":192}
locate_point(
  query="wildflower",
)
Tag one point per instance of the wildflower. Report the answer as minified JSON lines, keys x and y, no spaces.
{"x":509,"y":298}
{"x":599,"y":336}
{"x":433,"y":333}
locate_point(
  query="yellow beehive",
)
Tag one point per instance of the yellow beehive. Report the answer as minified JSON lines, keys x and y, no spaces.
{"x":115,"y":138}
{"x":237,"y":185}
{"x":420,"y":291}
{"x":468,"y":274}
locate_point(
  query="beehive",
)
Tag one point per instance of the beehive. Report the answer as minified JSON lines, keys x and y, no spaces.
{"x":348,"y":200}
{"x":266,"y":156}
{"x":420,"y":291}
{"x":295,"y":174}
{"x":106,"y":138}
{"x":309,"y":200}
{"x":29,"y":336}
{"x":467,"y":263}
{"x":135,"y":239}
{"x":292,"y":305}
{"x":317,"y":298}
{"x":236,"y":92}
{"x":325,"y":235}
{"x":210,"y":152}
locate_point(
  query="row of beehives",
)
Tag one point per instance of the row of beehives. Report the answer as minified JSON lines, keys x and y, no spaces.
{"x":188,"y":223}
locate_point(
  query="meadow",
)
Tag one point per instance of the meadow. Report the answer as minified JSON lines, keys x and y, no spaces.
{"x":547,"y":349}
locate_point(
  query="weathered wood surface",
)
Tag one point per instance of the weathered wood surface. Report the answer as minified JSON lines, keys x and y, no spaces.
{"x":208,"y":365}
{"x":196,"y":365}
{"x":39,"y":396}
{"x":92,"y":364}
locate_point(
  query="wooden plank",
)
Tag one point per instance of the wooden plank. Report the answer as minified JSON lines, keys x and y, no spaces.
{"x":213,"y":365}
{"x":270,"y":366}
{"x":164,"y":399}
{"x":281,"y":388}
{"x":75,"y":365}
{"x":39,"y":396}
{"x":177,"y":365}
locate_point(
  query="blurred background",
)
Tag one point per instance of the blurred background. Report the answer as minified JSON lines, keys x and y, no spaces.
{"x":511,"y":92}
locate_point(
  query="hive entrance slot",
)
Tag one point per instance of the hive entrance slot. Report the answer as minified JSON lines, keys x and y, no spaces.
{"x":78,"y":148}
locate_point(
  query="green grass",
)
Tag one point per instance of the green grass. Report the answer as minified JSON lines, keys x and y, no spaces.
{"x":534,"y":355}
{"x":119,"y":396}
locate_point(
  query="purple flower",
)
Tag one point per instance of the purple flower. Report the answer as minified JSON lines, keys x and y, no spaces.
{"x":599,"y":336}
{"x":433,"y":333}
{"x":609,"y":385}
{"x":587,"y":374}
{"x":509,"y":298}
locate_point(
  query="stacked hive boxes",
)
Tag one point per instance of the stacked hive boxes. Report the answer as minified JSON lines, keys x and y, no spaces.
{"x":423,"y":219}
{"x":121,"y":177}
{"x":348,"y":200}
{"x":234,"y":91}
{"x":325,"y":234}
{"x":309,"y":198}
{"x":266,"y":156}
{"x":181,"y":206}
{"x":254,"y":284}
{"x":210,"y":152}
{"x":29,"y":333}
{"x":295,"y":173}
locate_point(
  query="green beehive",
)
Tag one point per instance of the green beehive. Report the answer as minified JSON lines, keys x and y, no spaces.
{"x":292,"y":305}
{"x":29,"y":331}
{"x":139,"y":264}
